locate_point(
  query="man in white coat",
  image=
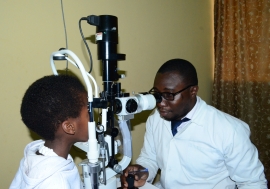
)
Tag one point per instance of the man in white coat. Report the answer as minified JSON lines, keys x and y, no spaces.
{"x":194,"y":144}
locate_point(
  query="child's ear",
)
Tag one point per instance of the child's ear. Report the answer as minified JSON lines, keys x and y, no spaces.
{"x":68,"y":127}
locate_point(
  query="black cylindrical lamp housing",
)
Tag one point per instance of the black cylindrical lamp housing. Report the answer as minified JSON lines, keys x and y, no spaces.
{"x":107,"y":40}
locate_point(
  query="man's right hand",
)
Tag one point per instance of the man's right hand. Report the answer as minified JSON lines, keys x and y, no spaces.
{"x":140,"y":175}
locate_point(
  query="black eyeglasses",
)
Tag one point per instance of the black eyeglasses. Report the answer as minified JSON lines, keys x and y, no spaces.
{"x":166,"y":95}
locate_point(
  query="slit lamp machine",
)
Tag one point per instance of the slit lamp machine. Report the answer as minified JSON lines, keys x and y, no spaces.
{"x":100,"y":168}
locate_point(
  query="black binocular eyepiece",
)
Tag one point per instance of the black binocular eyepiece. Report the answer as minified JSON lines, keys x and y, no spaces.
{"x":158,"y":97}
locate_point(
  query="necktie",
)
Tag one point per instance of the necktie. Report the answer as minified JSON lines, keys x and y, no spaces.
{"x":175,"y":124}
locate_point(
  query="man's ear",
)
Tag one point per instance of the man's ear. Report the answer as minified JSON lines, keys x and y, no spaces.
{"x":194,"y":90}
{"x":68,"y":127}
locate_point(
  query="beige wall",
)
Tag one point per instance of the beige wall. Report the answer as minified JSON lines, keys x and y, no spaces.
{"x":150,"y":33}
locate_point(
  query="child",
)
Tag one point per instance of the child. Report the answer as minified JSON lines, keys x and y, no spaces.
{"x":54,"y":107}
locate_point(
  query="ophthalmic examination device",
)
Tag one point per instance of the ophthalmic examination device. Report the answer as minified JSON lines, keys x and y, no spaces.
{"x":100,"y":168}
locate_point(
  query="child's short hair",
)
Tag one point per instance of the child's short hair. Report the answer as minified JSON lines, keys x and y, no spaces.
{"x":51,"y":100}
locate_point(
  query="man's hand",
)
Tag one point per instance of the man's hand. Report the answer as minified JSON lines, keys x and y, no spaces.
{"x":140,"y":173}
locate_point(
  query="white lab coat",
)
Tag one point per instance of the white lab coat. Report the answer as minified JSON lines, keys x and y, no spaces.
{"x":43,"y":172}
{"x":213,"y":150}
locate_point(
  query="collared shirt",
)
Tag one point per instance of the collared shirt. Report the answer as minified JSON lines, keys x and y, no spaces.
{"x":189,"y":115}
{"x":212,"y":150}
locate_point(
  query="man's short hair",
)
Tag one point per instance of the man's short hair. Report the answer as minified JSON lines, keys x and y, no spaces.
{"x":185,"y":69}
{"x":50,"y":101}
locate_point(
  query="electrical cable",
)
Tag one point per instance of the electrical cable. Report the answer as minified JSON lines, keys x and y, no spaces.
{"x":65,"y":29}
{"x":87,"y":47}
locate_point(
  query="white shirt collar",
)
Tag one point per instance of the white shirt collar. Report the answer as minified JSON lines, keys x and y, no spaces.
{"x":193,"y":110}
{"x":49,"y":152}
{"x":189,"y":115}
